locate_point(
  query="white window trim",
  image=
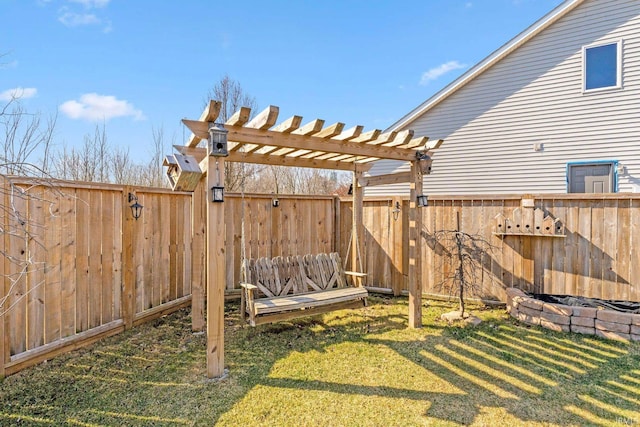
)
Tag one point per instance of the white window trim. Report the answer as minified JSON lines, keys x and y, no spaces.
{"x":618,"y":65}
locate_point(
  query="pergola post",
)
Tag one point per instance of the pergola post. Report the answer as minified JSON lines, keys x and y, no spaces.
{"x":216,"y":271}
{"x":415,"y":249}
{"x":357,"y":228}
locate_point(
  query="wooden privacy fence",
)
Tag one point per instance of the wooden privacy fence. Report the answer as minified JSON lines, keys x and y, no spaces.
{"x":77,"y":267}
{"x":597,"y":254}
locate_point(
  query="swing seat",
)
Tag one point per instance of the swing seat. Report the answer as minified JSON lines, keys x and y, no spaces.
{"x":285,"y":288}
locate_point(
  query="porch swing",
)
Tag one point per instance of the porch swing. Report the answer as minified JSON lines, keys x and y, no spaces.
{"x":285,"y":288}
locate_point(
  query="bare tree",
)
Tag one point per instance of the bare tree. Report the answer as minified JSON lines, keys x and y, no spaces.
{"x":25,"y":137}
{"x":464,"y":252}
{"x":152,"y":174}
{"x":232,"y":96}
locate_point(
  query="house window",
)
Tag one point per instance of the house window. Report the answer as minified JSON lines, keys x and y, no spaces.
{"x":602,"y":65}
{"x":592,"y":177}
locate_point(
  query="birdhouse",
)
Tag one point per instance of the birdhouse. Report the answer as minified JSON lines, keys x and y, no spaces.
{"x":183,"y":172}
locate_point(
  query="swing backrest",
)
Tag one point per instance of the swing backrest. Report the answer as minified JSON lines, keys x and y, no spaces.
{"x":293,"y":275}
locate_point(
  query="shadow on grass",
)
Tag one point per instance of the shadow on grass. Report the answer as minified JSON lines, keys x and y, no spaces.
{"x":359,"y":367}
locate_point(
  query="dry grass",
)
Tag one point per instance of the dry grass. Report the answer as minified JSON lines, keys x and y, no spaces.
{"x":351,"y":368}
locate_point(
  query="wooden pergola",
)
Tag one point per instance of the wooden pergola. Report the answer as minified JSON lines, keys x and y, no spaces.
{"x":312,"y":145}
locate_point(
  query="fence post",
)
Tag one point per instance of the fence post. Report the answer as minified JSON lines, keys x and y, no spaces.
{"x":128,"y":267}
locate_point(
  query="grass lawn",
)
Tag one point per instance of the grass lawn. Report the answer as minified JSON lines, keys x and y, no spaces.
{"x":348,"y":368}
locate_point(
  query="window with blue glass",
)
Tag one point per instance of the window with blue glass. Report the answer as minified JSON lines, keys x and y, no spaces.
{"x":602,"y":66}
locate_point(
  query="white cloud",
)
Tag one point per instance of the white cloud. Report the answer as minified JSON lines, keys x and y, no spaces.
{"x":440,"y":70}
{"x":94,"y":107}
{"x":91,"y":4}
{"x":71,"y":19}
{"x":18,"y":92}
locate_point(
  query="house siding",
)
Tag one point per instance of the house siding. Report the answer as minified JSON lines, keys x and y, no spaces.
{"x":534,"y":95}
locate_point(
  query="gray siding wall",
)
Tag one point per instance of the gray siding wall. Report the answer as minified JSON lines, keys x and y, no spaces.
{"x":534,"y":95}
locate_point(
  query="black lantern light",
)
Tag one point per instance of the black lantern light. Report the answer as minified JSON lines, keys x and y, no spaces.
{"x":217,"y":143}
{"x":136,"y":208}
{"x":350,"y":191}
{"x":217,"y":194}
{"x":396,"y":211}
{"x":275,"y":202}
{"x":421,"y":200}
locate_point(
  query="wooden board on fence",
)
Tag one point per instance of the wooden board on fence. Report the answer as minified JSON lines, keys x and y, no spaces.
{"x":164,"y":249}
{"x":68,"y":264}
{"x":583,"y":260}
{"x":572,"y":225}
{"x":172,"y":283}
{"x":35,"y":277}
{"x":623,"y":260}
{"x":53,"y":280}
{"x":117,"y":278}
{"x":95,"y":259}
{"x":610,"y":249}
{"x":17,"y":303}
{"x":558,"y":251}
{"x":595,"y":249}
{"x":108,"y":215}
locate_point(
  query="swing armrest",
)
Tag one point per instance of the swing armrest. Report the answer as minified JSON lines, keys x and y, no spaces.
{"x":356,"y":277}
{"x":248,"y":286}
{"x":355,"y":274}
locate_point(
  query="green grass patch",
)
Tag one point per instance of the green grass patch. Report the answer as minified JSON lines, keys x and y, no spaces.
{"x":347,"y":368}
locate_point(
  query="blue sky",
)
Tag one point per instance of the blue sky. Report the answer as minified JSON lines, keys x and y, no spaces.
{"x":138,"y":64}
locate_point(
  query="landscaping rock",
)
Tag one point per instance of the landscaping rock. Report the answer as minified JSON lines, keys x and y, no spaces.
{"x":612,"y":327}
{"x":583,"y":329}
{"x":555,"y":318}
{"x":529,"y":311}
{"x":531,"y":303}
{"x":613,"y":335}
{"x":526,"y":318}
{"x":564,"y":310}
{"x":589,"y":322}
{"x":635,"y":319}
{"x":615,"y":317}
{"x":635,"y":330}
{"x":554,"y":326}
{"x":585,"y":312}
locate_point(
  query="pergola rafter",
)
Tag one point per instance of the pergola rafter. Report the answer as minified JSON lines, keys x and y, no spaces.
{"x":312,"y":145}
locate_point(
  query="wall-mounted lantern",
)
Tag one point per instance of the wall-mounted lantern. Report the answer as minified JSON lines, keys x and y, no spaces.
{"x":350,"y":191}
{"x":396,"y":211}
{"x":217,"y":142}
{"x":422,"y":201}
{"x":136,"y":208}
{"x":275,"y":202}
{"x":217,"y":194}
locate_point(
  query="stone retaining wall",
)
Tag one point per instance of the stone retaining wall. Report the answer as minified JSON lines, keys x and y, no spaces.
{"x":564,"y":318}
